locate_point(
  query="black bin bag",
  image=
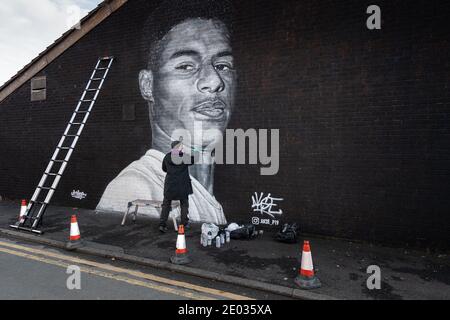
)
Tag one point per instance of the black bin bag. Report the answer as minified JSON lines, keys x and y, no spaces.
{"x":288,"y":233}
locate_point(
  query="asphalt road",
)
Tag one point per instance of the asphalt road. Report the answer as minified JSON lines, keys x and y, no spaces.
{"x":22,"y":278}
{"x":29,"y":272}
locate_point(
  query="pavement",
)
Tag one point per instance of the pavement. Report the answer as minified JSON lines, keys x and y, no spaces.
{"x":260,"y":263}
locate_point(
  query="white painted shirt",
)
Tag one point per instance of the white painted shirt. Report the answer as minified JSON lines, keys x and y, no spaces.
{"x":144,"y":180}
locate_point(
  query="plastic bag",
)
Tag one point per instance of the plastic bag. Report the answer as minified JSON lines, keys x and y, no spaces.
{"x":288,"y":233}
{"x":210,"y":227}
{"x":233,"y":226}
{"x":246,"y":232}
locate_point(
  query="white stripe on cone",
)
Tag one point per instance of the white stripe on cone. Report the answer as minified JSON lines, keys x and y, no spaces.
{"x":74,"y":230}
{"x":23,"y":209}
{"x":307,"y":263}
{"x":181,"y":242}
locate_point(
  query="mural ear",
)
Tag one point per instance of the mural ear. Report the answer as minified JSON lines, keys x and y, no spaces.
{"x":146,"y":85}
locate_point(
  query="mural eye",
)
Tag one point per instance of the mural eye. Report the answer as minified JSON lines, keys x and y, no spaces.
{"x":185,"y":67}
{"x":223,"y":67}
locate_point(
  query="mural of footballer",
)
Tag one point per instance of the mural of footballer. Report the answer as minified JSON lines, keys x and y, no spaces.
{"x":189,"y":79}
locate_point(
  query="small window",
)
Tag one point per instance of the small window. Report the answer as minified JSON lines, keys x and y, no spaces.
{"x":39,"y":89}
{"x":128,"y":112}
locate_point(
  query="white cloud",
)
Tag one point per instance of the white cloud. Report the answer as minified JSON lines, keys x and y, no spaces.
{"x":27,"y":27}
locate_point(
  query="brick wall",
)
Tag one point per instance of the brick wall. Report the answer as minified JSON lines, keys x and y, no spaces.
{"x":363,"y":116}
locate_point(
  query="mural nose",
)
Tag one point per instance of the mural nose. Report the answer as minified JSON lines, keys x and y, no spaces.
{"x":210,"y":81}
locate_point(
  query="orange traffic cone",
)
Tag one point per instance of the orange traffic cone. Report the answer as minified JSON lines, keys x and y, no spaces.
{"x":75,"y":236}
{"x":181,"y":255}
{"x":23,"y":210}
{"x":306,"y":278}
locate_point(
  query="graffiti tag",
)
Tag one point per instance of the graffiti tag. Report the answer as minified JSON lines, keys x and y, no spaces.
{"x":78,"y":195}
{"x":265,"y":205}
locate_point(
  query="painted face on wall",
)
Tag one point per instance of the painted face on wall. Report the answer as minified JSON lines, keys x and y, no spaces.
{"x":195,"y":80}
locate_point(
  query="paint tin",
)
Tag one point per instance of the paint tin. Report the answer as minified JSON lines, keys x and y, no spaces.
{"x":222,"y":238}
{"x":228,"y":236}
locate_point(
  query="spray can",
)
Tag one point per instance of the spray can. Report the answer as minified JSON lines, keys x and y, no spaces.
{"x":209,"y":241}
{"x":222,"y":238}
{"x":228,"y":236}
{"x":218,"y":241}
{"x":204,"y":240}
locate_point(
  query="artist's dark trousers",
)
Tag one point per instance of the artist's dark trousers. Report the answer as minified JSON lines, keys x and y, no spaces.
{"x":167,"y":207}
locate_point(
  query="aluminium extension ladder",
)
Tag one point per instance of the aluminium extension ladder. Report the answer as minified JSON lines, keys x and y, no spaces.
{"x":32,"y":218}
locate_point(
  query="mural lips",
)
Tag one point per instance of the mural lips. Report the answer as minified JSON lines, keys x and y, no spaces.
{"x":211,"y":110}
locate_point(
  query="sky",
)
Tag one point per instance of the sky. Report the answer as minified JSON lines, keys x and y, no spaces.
{"x":27,"y":27}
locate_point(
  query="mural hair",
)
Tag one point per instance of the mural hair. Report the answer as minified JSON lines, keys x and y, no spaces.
{"x":173,"y":12}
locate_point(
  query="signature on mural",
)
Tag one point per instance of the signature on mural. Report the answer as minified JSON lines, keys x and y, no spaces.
{"x":265,"y":205}
{"x":78,"y":195}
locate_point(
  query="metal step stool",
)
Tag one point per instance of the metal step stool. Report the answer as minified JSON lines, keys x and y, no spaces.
{"x":151,"y":203}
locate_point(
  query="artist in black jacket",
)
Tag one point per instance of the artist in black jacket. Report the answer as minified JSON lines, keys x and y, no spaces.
{"x":177,"y":185}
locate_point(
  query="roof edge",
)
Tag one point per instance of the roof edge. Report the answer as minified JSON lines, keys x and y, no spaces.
{"x":67,"y":40}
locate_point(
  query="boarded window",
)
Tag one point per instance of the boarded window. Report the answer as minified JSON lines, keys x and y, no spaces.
{"x":38,"y":88}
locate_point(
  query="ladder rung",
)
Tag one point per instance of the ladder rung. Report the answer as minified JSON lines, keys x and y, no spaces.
{"x":86,"y":100}
{"x":52,"y":174}
{"x":32,"y":218}
{"x":76,"y":123}
{"x":82,"y":111}
{"x":92,"y":90}
{"x":106,"y":58}
{"x":46,"y":188}
{"x":97,"y":79}
{"x":26,"y":229}
{"x":65,"y":148}
{"x":40,"y":202}
{"x":105,"y":68}
{"x":59,"y":161}
{"x":71,"y":135}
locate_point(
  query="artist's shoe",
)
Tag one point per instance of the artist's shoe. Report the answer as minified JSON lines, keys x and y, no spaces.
{"x":163,"y":229}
